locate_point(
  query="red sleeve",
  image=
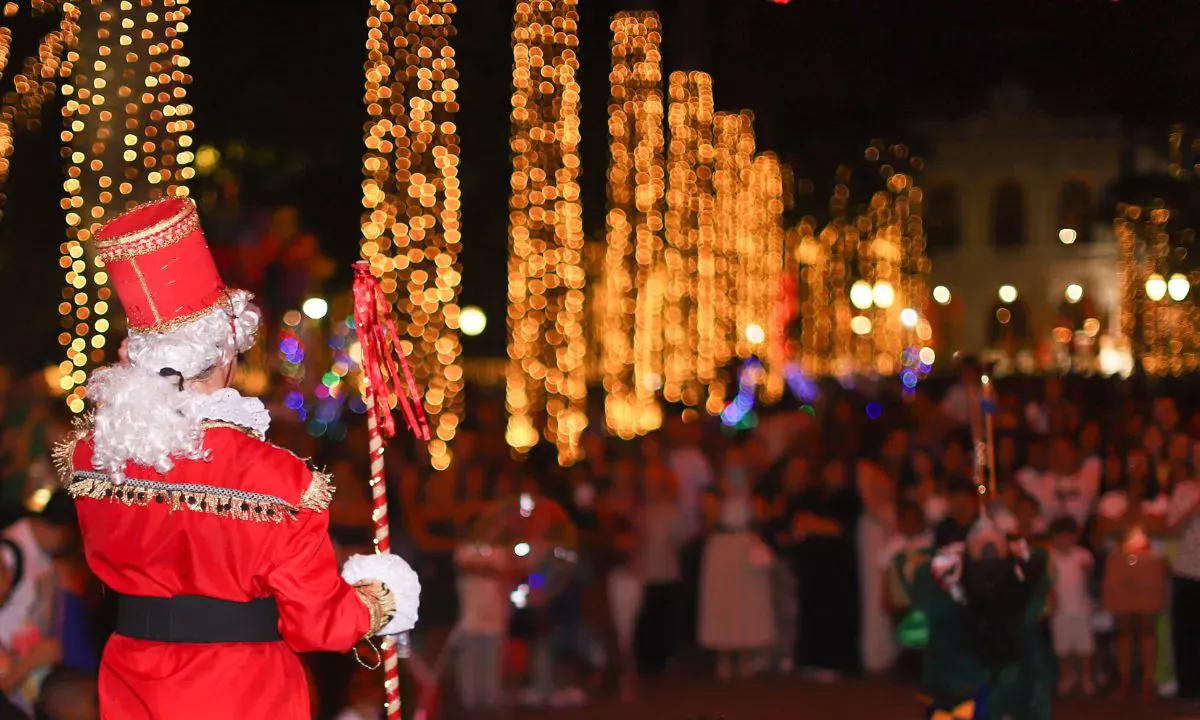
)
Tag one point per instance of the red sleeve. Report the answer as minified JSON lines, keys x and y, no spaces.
{"x":318,"y":611}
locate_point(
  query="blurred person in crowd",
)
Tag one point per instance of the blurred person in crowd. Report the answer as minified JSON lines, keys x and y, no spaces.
{"x":485,"y":577}
{"x":986,"y":656}
{"x":662,"y":536}
{"x":875,"y":527}
{"x":1132,"y":520}
{"x":957,"y":457}
{"x":1091,"y":440}
{"x":29,"y":630}
{"x":175,"y":467}
{"x":929,"y":488}
{"x":1071,"y":624}
{"x":824,"y":522}
{"x":797,"y":479}
{"x":433,"y":521}
{"x":1154,"y":442}
{"x":1052,"y":414}
{"x":25,"y":438}
{"x":693,"y":473}
{"x":1183,"y":521}
{"x":956,"y":404}
{"x":909,"y":547}
{"x":781,"y":428}
{"x":565,"y":647}
{"x":1166,"y":414}
{"x":1036,"y":464}
{"x":622,"y":521}
{"x":1008,"y":417}
{"x":895,"y":458}
{"x":1029,"y":523}
{"x":691,"y":469}
{"x":68,"y":694}
{"x":1070,"y":488}
{"x":736,"y":617}
{"x":1007,"y":461}
{"x":1178,"y":459}
{"x":962,"y":510}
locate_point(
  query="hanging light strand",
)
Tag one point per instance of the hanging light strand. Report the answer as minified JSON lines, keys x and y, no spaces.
{"x":547,"y":347}
{"x":21,"y":109}
{"x":632,"y":336}
{"x":689,"y":295}
{"x":411,"y":223}
{"x":127,"y":139}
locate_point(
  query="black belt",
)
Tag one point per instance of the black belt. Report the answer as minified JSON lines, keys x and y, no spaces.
{"x":196,"y":619}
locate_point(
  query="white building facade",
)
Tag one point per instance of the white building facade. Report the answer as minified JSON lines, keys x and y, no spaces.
{"x":1012,"y":199}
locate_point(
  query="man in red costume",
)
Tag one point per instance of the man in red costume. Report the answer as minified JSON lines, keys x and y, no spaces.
{"x":214,"y":540}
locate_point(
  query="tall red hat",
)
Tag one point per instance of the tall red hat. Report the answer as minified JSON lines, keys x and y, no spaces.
{"x":160,"y":265}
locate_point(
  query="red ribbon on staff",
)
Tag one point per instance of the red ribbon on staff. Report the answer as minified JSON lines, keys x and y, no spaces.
{"x":383,"y":361}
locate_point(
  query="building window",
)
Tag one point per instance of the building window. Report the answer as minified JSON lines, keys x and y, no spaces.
{"x":941,"y":218}
{"x":1075,"y":211}
{"x":1008,"y":216}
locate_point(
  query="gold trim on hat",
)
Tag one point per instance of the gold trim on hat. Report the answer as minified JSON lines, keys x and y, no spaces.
{"x":147,"y":240}
{"x":222,"y":302}
{"x":146,"y":289}
{"x":164,"y":326}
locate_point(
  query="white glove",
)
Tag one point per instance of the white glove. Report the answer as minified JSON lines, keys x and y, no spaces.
{"x":393,"y":571}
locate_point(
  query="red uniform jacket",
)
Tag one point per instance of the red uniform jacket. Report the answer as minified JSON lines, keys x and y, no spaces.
{"x":249,"y":522}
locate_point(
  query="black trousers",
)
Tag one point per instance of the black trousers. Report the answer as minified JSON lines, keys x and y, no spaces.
{"x":659,"y":627}
{"x":1185,"y":629}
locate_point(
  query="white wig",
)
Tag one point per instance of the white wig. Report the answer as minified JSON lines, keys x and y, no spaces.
{"x":144,"y":413}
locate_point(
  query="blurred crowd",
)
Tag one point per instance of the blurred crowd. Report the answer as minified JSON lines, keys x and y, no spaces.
{"x":784,"y":545}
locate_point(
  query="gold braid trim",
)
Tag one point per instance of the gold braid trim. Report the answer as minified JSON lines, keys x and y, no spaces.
{"x":380,"y":602}
{"x":210,"y":424}
{"x":319,"y":493}
{"x":64,"y":450}
{"x":223,"y":502}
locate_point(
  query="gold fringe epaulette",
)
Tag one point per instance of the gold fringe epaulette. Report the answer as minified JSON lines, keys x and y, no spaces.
{"x":63,"y":452}
{"x":319,"y":493}
{"x":210,"y":424}
{"x":224,"y":502}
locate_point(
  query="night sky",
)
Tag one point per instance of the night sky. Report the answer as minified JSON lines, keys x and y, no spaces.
{"x":822,"y":76}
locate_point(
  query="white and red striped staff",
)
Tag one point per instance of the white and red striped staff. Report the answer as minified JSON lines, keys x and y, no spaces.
{"x":387,"y":381}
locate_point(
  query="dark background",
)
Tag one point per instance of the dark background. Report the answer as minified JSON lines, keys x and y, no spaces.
{"x":824,"y":77}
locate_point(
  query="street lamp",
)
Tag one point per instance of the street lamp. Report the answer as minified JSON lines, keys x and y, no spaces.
{"x":1156,"y":287}
{"x":315,"y":308}
{"x":472,"y":321}
{"x":1008,"y":294}
{"x":1178,"y":287}
{"x":861,"y":295}
{"x":884,"y":295}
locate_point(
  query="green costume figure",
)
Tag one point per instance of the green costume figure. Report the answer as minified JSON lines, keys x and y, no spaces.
{"x":986,"y":658}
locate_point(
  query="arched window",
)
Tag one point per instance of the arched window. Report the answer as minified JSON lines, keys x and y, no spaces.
{"x":941,"y":218}
{"x":1075,"y":212}
{"x":1008,"y":215}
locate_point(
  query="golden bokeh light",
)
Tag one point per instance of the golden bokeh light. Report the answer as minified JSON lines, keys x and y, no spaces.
{"x":632,"y":336}
{"x":412,"y":199}
{"x":547,"y":345}
{"x":126,"y":123}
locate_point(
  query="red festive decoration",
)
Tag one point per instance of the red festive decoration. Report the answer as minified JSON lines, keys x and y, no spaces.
{"x":386,"y":373}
